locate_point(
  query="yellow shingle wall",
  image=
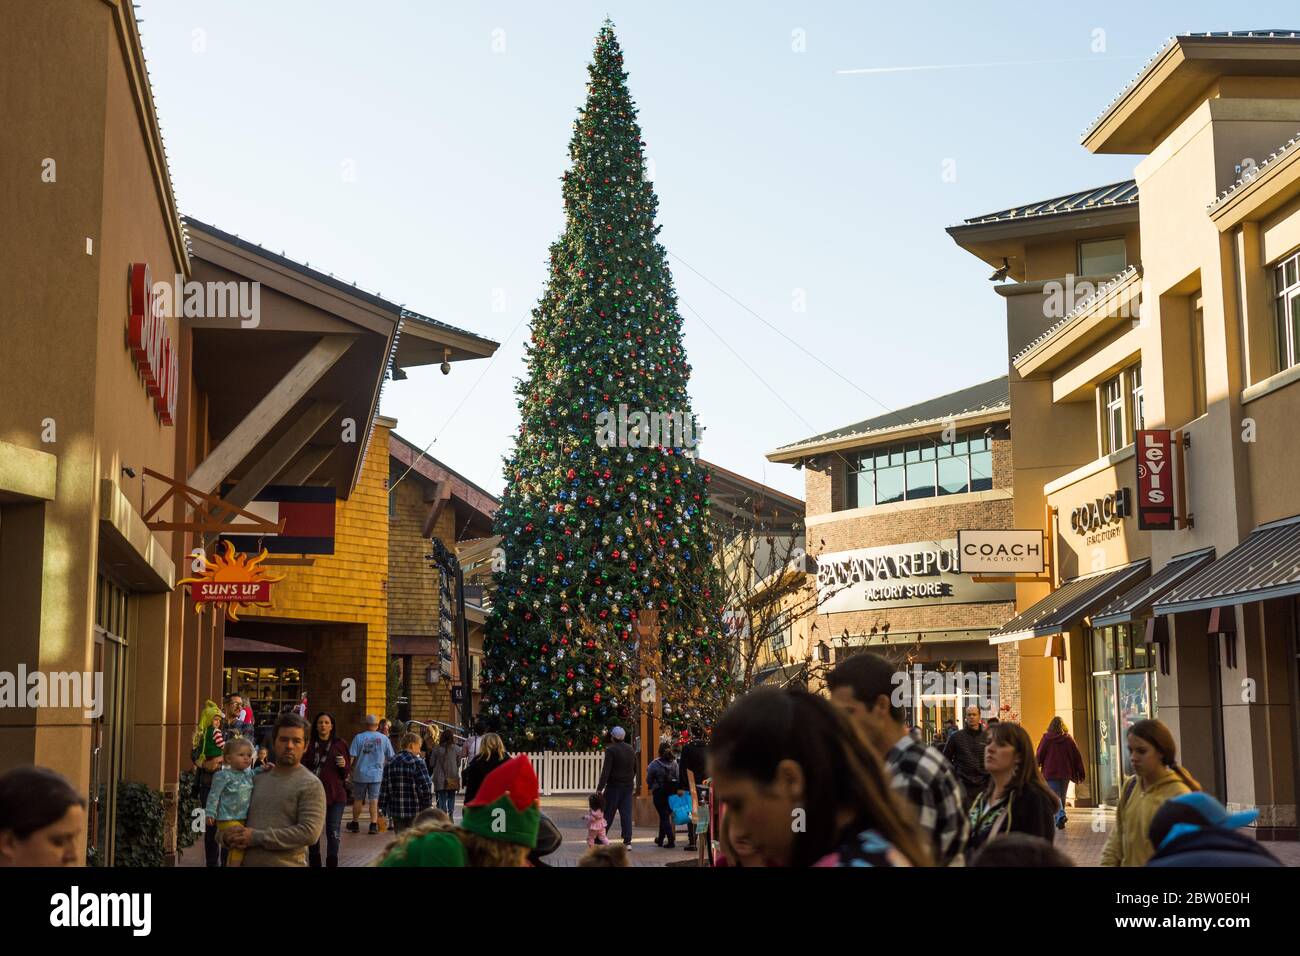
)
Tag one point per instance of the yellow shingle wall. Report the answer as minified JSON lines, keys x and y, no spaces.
{"x":349,"y":585}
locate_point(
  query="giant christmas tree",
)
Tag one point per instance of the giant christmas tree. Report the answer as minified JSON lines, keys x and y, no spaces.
{"x":601,"y":519}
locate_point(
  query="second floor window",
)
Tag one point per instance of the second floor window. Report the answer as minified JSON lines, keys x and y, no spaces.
{"x":1286,"y":284}
{"x":1101,"y":257}
{"x":1135,"y":385}
{"x":1121,"y":408}
{"x":927,"y":468}
{"x":781,"y":633}
{"x":1112,"y":397}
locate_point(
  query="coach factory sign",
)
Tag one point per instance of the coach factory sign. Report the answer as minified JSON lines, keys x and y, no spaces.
{"x":900,"y":575}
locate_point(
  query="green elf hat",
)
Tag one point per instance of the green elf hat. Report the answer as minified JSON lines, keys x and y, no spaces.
{"x":506,"y":807}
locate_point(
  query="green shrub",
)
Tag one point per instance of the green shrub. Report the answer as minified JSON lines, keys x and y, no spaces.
{"x":139,"y":832}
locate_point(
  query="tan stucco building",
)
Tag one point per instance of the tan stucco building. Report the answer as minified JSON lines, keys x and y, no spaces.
{"x":1165,"y":303}
{"x":117,"y":397}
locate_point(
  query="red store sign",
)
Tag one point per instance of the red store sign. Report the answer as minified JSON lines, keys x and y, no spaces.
{"x":151,"y":344}
{"x":226,"y":592}
{"x":1155,"y":479}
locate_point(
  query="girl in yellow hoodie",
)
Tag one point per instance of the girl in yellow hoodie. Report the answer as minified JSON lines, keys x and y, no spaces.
{"x":1157,"y":778}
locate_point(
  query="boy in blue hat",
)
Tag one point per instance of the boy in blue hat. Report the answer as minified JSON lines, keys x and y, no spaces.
{"x":1194,"y":829}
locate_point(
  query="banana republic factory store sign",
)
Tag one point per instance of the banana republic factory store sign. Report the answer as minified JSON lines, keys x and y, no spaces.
{"x":899,"y":575}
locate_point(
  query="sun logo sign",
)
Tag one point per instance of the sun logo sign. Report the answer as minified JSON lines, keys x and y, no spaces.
{"x":233,"y":579}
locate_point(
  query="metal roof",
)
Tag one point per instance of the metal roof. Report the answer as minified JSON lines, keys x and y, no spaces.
{"x":1088,"y":200}
{"x":1073,"y":600}
{"x":1210,"y":34}
{"x":1265,"y":565}
{"x":779,"y":676}
{"x":1136,"y":602}
{"x":990,"y":396}
{"x":350,"y":288}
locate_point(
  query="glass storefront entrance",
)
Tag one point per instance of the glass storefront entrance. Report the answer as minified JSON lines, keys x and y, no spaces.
{"x":108,"y":730}
{"x":269,"y":689}
{"x":1123,"y":692}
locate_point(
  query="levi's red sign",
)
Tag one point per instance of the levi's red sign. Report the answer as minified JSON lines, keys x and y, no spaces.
{"x":151,"y":344}
{"x":1155,"y":465}
{"x":224,"y":592}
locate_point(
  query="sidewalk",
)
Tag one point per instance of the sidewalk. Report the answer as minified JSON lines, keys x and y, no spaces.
{"x":1082,"y":839}
{"x":361,"y":849}
{"x":1085,"y":833}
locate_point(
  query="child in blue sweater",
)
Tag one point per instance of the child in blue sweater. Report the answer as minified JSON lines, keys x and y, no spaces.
{"x":232,"y":789}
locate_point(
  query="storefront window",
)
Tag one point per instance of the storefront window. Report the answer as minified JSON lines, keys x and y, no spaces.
{"x":269,"y":691}
{"x":1123,"y":692}
{"x":108,"y":730}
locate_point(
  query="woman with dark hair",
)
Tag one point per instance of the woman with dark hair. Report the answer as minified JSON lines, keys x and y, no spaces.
{"x":327,"y":757}
{"x":802,"y":788}
{"x":42,"y":819}
{"x":663,"y":779}
{"x":1061,"y":763}
{"x":1156,"y":778}
{"x":1017,"y":799}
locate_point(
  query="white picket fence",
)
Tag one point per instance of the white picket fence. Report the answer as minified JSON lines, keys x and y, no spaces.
{"x":564,"y":773}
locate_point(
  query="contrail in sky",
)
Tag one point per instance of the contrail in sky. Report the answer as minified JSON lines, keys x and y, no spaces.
{"x":965,"y":66}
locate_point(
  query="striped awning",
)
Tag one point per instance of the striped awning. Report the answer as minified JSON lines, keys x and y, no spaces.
{"x":1069,"y":603}
{"x":1135,"y":603}
{"x":1265,"y":565}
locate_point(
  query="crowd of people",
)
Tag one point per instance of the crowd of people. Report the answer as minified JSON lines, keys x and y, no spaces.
{"x":789,"y":778}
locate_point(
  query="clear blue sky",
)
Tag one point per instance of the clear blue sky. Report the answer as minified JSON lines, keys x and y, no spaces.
{"x":774,"y":173}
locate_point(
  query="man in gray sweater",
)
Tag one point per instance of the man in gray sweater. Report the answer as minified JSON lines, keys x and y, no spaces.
{"x":287,"y":811}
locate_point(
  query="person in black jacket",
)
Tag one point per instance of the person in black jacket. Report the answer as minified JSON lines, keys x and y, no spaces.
{"x":1194,"y":829}
{"x":1017,"y":799}
{"x":617,"y":778}
{"x":964,"y":749}
{"x":695,"y":759}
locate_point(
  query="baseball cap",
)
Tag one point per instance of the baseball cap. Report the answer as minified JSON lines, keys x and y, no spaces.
{"x":618,"y":733}
{"x":1193,"y":811}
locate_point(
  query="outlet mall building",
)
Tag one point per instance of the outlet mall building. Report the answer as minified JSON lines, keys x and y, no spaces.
{"x":110,"y":400}
{"x":886,"y":498}
{"x":1184,"y":610}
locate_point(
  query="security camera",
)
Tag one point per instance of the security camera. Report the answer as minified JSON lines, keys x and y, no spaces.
{"x":128,"y":471}
{"x":446,"y":368}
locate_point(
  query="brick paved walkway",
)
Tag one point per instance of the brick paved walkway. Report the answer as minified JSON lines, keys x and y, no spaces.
{"x":1082,"y":840}
{"x":1085,"y":833}
{"x":360,"y":849}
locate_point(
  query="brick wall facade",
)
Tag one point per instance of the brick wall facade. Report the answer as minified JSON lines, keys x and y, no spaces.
{"x":412,"y":583}
{"x":413,"y":589}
